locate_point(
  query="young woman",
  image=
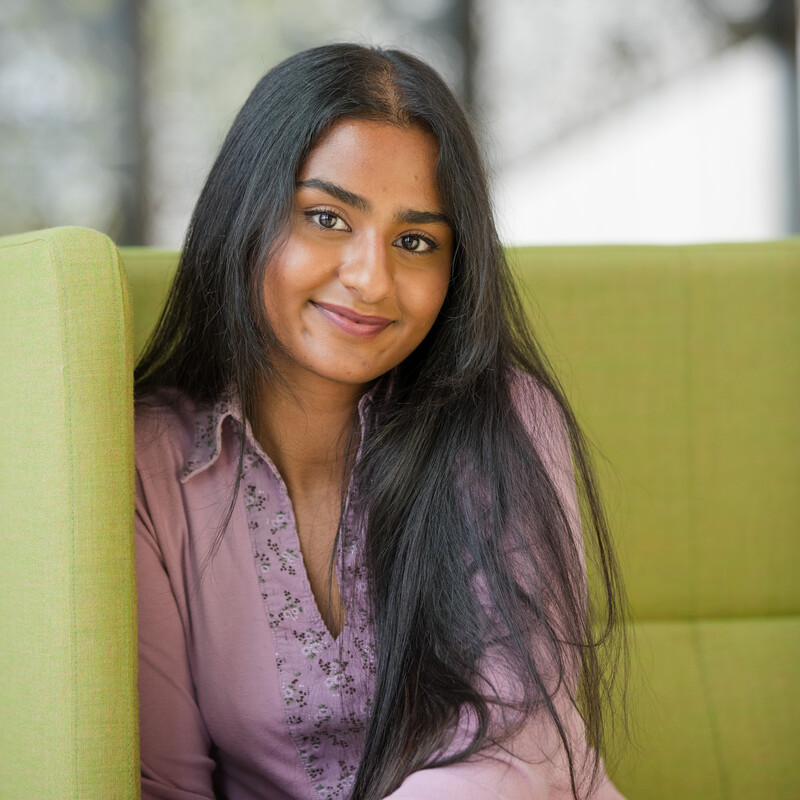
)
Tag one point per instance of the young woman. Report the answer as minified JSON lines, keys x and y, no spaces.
{"x":359,"y":551}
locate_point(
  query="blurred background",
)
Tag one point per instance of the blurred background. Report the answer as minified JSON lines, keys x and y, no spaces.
{"x":603,"y":121}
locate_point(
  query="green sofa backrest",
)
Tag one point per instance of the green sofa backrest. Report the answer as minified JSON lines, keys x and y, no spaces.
{"x":684,"y":364}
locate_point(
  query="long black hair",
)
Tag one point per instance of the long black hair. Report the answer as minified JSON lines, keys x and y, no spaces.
{"x":475,"y":561}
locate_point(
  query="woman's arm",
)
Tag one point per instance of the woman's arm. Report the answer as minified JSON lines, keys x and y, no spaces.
{"x":518,"y":772}
{"x":175,"y":761}
{"x":501,"y":780}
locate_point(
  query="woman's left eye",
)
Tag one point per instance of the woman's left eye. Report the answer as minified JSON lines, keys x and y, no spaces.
{"x":416,"y":243}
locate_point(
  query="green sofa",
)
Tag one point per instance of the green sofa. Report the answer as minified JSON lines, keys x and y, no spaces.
{"x":683,"y":364}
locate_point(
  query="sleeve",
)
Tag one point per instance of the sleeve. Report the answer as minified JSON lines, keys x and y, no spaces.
{"x":532,"y":766}
{"x":498,"y":778}
{"x":175,"y":760}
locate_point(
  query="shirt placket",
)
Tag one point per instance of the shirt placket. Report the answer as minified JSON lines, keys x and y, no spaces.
{"x":319,"y":676}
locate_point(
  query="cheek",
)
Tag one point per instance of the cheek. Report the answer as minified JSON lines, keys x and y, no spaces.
{"x":424,"y":299}
{"x":291,"y":277}
{"x":436,"y":291}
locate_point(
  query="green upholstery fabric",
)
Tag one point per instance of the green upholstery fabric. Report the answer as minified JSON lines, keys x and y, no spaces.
{"x":68,"y":706}
{"x":682,"y":364}
{"x":151,"y":274}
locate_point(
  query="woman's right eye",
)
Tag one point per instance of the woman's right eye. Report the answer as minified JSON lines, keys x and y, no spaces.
{"x":327,"y":219}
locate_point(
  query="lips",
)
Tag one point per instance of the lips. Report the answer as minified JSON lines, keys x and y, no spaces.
{"x":352,"y":322}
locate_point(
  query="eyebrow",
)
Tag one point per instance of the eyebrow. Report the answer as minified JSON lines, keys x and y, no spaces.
{"x":406,"y":216}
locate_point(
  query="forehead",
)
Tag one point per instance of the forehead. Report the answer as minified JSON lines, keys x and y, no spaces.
{"x":385,"y":163}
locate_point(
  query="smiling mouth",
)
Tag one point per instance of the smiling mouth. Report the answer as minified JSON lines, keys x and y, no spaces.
{"x":351,"y":321}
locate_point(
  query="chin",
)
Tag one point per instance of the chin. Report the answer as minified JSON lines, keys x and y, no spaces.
{"x":349,"y":377}
{"x":356,"y":379}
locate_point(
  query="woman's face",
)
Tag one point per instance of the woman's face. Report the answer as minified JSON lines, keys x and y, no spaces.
{"x":366,"y":265}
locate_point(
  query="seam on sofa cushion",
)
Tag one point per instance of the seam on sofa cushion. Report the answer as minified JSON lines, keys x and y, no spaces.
{"x":712,"y":717}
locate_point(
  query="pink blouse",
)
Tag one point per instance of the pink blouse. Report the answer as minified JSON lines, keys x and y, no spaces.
{"x":244,"y":694}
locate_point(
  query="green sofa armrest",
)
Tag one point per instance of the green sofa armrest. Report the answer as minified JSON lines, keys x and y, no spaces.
{"x":68,"y":705}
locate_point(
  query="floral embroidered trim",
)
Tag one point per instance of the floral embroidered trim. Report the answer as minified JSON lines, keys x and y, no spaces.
{"x":320,"y":677}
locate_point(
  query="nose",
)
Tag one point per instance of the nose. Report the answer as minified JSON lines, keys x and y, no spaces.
{"x":366,"y":270}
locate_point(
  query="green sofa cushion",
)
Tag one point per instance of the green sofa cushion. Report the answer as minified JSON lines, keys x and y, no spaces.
{"x":714,"y":710}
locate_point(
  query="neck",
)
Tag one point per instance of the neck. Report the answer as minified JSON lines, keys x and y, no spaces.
{"x":304,"y":428}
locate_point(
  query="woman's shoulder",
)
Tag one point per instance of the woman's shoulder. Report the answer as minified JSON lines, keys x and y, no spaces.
{"x":165,"y":421}
{"x":543,"y":417}
{"x":537,"y":406}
